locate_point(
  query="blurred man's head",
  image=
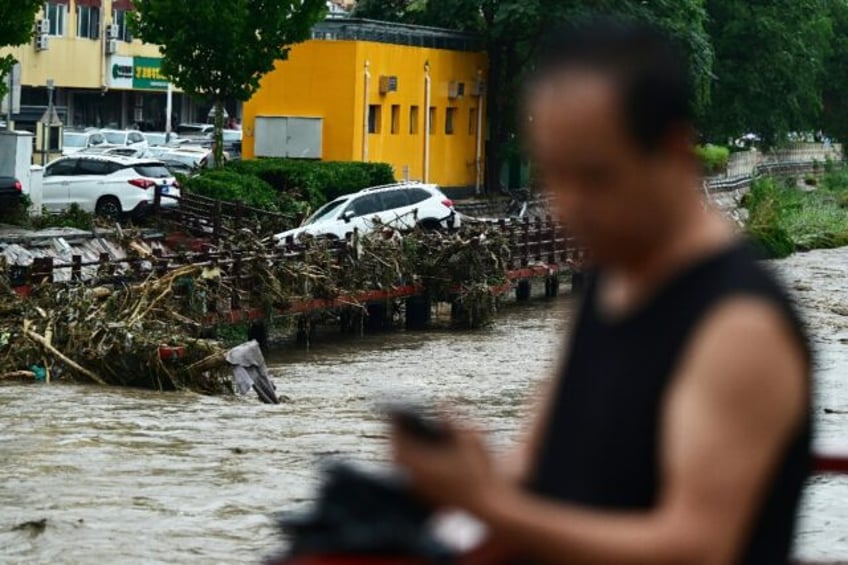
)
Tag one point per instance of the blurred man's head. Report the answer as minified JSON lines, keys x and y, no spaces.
{"x":611,"y":132}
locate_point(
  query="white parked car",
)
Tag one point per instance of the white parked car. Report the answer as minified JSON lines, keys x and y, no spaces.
{"x":161,"y":139}
{"x":128,"y":138}
{"x":401,"y":206}
{"x":118,"y":151}
{"x":109,"y":186}
{"x":74,"y":141}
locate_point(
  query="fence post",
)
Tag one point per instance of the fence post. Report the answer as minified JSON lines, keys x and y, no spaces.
{"x":540,"y":238}
{"x":157,"y":198}
{"x":552,"y":231}
{"x":76,"y":268}
{"x":216,"y":223}
{"x":235,"y":273}
{"x":42,"y":270}
{"x":525,"y":256}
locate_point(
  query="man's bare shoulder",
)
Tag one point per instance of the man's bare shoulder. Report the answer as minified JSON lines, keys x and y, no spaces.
{"x":747,"y":355}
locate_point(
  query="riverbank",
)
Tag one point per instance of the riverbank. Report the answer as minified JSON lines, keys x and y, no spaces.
{"x":799,"y":214}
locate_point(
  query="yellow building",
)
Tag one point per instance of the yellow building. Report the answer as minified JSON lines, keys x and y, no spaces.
{"x":366,"y":91}
{"x":101,"y":75}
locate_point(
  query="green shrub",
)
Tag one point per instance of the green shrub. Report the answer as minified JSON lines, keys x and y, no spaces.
{"x":73,"y":217}
{"x":315,"y":182}
{"x":765,"y":220}
{"x":785,"y":219}
{"x":713,"y":157}
{"x":232,"y":186}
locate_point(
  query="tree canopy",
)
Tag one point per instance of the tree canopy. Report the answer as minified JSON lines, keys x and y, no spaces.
{"x":16,"y":27}
{"x":769,"y":66}
{"x":223,"y":50}
{"x":510,"y":30}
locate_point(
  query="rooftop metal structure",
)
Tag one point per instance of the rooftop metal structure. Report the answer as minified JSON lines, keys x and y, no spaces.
{"x":357,"y":29}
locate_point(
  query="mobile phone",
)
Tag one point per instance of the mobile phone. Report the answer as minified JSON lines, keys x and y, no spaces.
{"x":418,"y":422}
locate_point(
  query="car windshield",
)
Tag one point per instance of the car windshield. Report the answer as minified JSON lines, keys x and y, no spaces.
{"x":325,"y":211}
{"x":115,"y":137}
{"x":75,"y":139}
{"x":155,"y":138}
{"x":152,"y":170}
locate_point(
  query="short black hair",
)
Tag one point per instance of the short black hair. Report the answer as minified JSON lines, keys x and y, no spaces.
{"x":648,"y":67}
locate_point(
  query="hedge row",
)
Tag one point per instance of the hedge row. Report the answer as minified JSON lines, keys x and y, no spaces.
{"x":288,"y":185}
{"x":316,"y":182}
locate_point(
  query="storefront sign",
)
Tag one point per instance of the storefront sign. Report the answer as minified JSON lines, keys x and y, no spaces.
{"x":136,"y":73}
{"x":148,"y":74}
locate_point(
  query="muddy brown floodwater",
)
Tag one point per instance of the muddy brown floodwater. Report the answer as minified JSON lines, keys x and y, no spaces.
{"x":134,"y":477}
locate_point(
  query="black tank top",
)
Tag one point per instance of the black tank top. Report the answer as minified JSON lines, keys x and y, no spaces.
{"x":601,"y":447}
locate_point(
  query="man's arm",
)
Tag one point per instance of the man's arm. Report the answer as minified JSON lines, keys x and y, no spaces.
{"x":740,"y":393}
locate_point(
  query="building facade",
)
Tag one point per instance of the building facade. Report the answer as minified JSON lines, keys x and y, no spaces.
{"x":366,"y":91}
{"x":101,"y":75}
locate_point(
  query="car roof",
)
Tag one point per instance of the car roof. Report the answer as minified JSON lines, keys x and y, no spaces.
{"x":397,"y":186}
{"x":119,"y":159}
{"x":386,"y":188}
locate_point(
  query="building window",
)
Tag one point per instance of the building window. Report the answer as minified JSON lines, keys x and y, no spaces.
{"x":374,"y":111}
{"x":472,"y":121}
{"x":450,"y":118}
{"x":432,"y":120}
{"x":88,"y":22}
{"x":395,"y":119}
{"x":413,"y":120}
{"x":121,"y":19}
{"x":56,"y":14}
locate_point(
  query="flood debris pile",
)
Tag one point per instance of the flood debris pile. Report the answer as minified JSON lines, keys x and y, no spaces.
{"x":137,"y":335}
{"x":464,"y":268}
{"x":144,"y":327}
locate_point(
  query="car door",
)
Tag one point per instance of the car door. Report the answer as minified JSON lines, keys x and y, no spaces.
{"x":87,"y":186}
{"x":137,"y":140}
{"x":362,"y":212}
{"x":96,"y":139}
{"x":55,"y":192}
{"x":397,"y":210}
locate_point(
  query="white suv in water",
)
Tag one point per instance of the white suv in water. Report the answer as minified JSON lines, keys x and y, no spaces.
{"x":107,"y":185}
{"x":402,"y":206}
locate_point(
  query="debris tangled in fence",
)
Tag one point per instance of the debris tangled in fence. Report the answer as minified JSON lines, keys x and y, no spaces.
{"x":145,"y":327}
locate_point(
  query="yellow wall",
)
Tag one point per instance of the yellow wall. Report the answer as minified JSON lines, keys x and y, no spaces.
{"x":327,"y":79}
{"x":317,"y":80}
{"x":71,"y":61}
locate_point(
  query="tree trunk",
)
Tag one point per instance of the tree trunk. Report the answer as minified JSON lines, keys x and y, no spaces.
{"x":494,"y":111}
{"x":218,"y":134}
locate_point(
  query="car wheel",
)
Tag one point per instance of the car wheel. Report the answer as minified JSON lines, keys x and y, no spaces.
{"x":429,"y":224}
{"x":109,"y":207}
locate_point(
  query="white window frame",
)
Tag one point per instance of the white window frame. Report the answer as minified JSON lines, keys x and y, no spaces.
{"x":89,"y":11}
{"x":123,"y":28}
{"x":59,"y":23}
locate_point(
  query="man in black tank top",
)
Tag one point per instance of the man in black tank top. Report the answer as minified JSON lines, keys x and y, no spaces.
{"x":677,"y":429}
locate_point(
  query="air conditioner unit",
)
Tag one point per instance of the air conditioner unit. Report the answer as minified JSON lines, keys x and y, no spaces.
{"x":111,"y":46}
{"x":456,"y":90}
{"x":42,"y":42}
{"x":42,"y":27}
{"x":478,"y":88}
{"x":388,"y":84}
{"x":112,"y":31}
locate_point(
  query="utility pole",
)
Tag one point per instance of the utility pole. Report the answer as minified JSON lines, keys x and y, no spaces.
{"x":47,"y":122}
{"x":169,"y":110}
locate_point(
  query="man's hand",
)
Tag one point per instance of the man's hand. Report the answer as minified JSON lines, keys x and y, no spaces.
{"x":456,"y":473}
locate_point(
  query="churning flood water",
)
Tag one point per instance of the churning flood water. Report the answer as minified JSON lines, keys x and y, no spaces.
{"x":136,"y":477}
